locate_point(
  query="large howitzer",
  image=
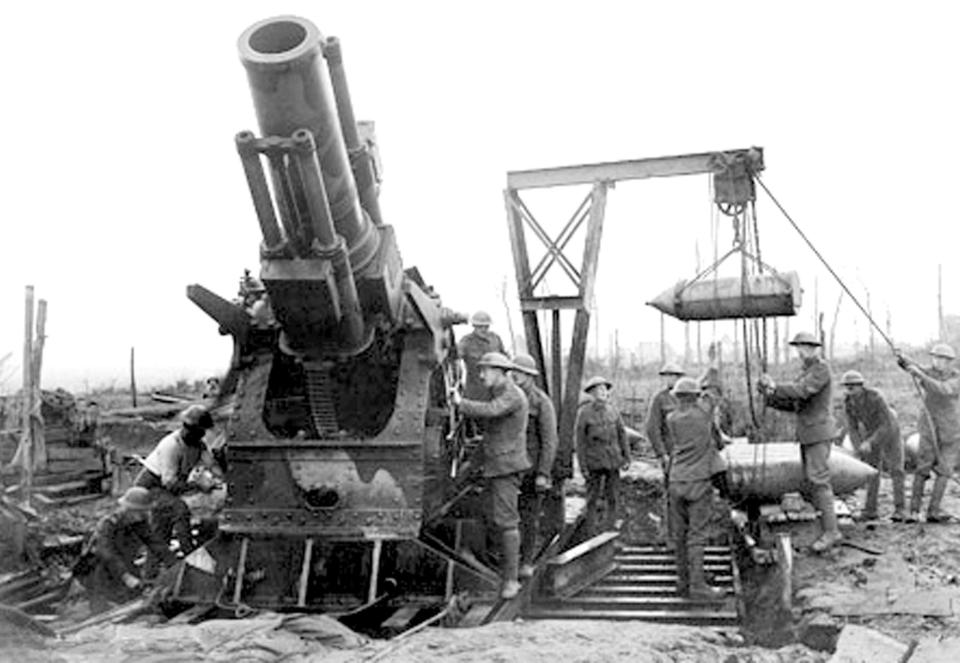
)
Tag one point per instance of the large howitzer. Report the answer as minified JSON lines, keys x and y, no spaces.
{"x":338,"y":438}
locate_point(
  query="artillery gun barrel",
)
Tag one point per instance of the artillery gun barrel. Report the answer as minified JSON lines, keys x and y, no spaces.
{"x":292,"y":89}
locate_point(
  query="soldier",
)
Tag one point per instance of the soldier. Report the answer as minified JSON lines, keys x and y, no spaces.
{"x":472,"y":347}
{"x":541,"y":451}
{"x":809,"y":397}
{"x":939,"y":445}
{"x":602,"y":451}
{"x":166,"y":473}
{"x":692,"y":462}
{"x":663,"y":403}
{"x":505,"y":456}
{"x":875,"y":435}
{"x":655,"y":426}
{"x":106,"y":567}
{"x":721,"y":415}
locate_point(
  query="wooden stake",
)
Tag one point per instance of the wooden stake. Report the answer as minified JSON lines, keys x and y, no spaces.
{"x":26,"y":391}
{"x":37,"y":429}
{"x":133,"y":377}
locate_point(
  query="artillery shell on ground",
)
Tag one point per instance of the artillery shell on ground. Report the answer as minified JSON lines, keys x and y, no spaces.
{"x":767,"y":471}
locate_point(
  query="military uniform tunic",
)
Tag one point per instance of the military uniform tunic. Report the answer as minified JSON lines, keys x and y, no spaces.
{"x":941,"y":396}
{"x":808,"y":396}
{"x":504,"y":448}
{"x":602,"y":447}
{"x":117,"y":541}
{"x":870,"y":420}
{"x":471,"y":348}
{"x":663,"y":404}
{"x":693,"y":458}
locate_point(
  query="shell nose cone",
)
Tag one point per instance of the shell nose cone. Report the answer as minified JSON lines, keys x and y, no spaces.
{"x":848,"y":473}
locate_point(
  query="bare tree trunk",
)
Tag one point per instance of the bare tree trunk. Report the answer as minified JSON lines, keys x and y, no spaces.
{"x":36,"y":420}
{"x":833,"y":326}
{"x":133,"y":376}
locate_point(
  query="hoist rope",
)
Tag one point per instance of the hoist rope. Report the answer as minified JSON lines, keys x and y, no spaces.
{"x":823,"y":260}
{"x":887,"y":340}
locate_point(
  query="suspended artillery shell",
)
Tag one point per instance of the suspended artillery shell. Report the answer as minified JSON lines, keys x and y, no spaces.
{"x":767,"y":471}
{"x":760,"y":296}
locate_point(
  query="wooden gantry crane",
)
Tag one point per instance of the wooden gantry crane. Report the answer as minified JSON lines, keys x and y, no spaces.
{"x":732,"y":170}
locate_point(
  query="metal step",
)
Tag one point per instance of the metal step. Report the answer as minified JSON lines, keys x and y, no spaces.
{"x":694,"y":617}
{"x":668,"y":558}
{"x":659,"y":578}
{"x":643,"y":586}
{"x":665,"y":590}
{"x":661,"y":567}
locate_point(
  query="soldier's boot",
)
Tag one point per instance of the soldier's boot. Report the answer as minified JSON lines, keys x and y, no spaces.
{"x":869,"y":511}
{"x":511,"y":563}
{"x":899,"y":514}
{"x":699,"y":589}
{"x":934,"y":513}
{"x":916,"y":498}
{"x":831,"y":536}
{"x":683,"y":570}
{"x":528,"y":543}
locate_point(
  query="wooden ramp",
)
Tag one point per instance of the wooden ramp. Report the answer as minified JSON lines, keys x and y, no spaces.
{"x":638,"y":583}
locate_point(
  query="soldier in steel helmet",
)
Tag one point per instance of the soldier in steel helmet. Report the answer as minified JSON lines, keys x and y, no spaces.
{"x":939,"y":429}
{"x":663,"y":403}
{"x":541,"y":450}
{"x":808,"y":396}
{"x":504,"y":456}
{"x":655,"y":427}
{"x":106,"y":567}
{"x":692,"y":462}
{"x":472,"y":347}
{"x":875,"y":434}
{"x":166,"y":473}
{"x":602,"y":451}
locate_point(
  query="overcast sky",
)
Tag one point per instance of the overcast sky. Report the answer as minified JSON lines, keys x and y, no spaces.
{"x":121,"y":184}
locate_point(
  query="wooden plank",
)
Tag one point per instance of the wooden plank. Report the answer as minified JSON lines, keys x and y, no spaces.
{"x":64,"y":452}
{"x":580,"y":566}
{"x":930,"y":603}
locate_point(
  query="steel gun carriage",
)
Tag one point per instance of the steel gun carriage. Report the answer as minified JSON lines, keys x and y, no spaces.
{"x":338,"y":441}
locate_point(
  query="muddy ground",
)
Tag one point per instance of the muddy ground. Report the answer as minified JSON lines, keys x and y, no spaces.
{"x":913,"y":569}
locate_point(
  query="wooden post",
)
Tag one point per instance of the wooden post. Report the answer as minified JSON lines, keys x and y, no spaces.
{"x":776,"y":341}
{"x":133,"y":377}
{"x":37,"y":437}
{"x":556,"y":359}
{"x":873,"y":347}
{"x":786,"y":340}
{"x":26,"y":391}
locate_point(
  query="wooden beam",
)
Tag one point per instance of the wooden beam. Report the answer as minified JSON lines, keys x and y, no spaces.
{"x":635,"y":169}
{"x":521,"y":260}
{"x":551,"y":303}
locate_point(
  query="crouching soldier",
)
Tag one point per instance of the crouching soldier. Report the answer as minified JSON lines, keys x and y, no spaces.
{"x":875,"y":434}
{"x":167,"y":471}
{"x":692,"y":461}
{"x":602,"y":450}
{"x":107,"y":568}
{"x":504,"y":456}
